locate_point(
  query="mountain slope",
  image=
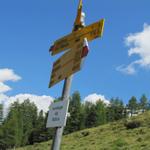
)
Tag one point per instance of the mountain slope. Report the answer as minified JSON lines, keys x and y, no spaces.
{"x":113,"y":136}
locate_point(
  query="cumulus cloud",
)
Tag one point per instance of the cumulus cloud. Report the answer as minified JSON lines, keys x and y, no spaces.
{"x":42,"y":102}
{"x":93,"y":98}
{"x":139,"y":45}
{"x":4,"y":88}
{"x":7,"y":75}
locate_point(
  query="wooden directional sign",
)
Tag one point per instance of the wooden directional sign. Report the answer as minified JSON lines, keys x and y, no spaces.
{"x":68,"y":64}
{"x":90,"y":32}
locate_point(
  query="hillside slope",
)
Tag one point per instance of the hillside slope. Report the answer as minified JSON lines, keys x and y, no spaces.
{"x":113,"y":136}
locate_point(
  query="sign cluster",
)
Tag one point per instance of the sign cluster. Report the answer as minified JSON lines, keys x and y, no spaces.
{"x":70,"y":62}
{"x":75,"y":46}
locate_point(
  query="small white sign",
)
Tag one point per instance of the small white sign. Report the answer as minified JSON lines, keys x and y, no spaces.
{"x":57,"y":114}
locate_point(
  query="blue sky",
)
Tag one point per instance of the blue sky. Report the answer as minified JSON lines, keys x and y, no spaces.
{"x":28,"y":28}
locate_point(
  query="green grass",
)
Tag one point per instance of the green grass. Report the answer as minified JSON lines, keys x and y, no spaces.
{"x":113,"y":136}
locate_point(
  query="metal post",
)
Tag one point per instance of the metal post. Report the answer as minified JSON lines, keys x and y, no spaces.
{"x":79,"y":22}
{"x":59,"y":130}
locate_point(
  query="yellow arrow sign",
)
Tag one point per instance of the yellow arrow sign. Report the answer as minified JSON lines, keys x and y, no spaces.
{"x":68,"y":64}
{"x":90,"y":32}
{"x":79,"y":15}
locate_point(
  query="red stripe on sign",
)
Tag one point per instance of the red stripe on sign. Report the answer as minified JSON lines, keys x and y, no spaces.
{"x":51,"y":48}
{"x":84,"y":51}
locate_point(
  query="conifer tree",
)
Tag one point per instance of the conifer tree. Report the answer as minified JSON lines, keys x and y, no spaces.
{"x":74,"y":122}
{"x":100,"y":112}
{"x":143,"y":102}
{"x":91,"y":115}
{"x":115,"y":110}
{"x":132,"y":104}
{"x":1,"y":113}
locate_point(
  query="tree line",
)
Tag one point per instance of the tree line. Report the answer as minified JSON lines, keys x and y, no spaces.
{"x":25,"y":125}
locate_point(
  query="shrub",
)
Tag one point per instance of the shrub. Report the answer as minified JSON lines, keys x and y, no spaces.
{"x":132,"y":124}
{"x":85,"y":133}
{"x":139,"y":139}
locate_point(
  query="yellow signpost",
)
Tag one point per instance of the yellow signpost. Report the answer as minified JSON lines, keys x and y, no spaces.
{"x":79,"y":15}
{"x":76,"y":45}
{"x":67,"y":64}
{"x":90,"y":32}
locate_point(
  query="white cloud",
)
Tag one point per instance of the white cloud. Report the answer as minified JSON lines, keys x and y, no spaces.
{"x":139,"y":45}
{"x":4,"y":88}
{"x":130,"y":69}
{"x":7,"y":75}
{"x":42,"y":102}
{"x":93,"y":98}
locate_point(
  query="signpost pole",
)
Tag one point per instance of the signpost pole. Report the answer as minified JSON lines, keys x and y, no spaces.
{"x":63,"y":70}
{"x":67,"y":83}
{"x":59,"y":130}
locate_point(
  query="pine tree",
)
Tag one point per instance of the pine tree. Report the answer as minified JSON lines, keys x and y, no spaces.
{"x":1,"y":113}
{"x":38,"y":132}
{"x":133,"y":104}
{"x":91,"y":115}
{"x":14,"y":125}
{"x":74,"y":122}
{"x":30,"y":114}
{"x":115,"y":110}
{"x":19,"y":124}
{"x":100,"y":112}
{"x":143,"y":102}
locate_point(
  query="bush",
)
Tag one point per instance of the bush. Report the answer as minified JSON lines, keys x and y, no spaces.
{"x":132,"y":124}
{"x":139,"y":139}
{"x":85,"y":133}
